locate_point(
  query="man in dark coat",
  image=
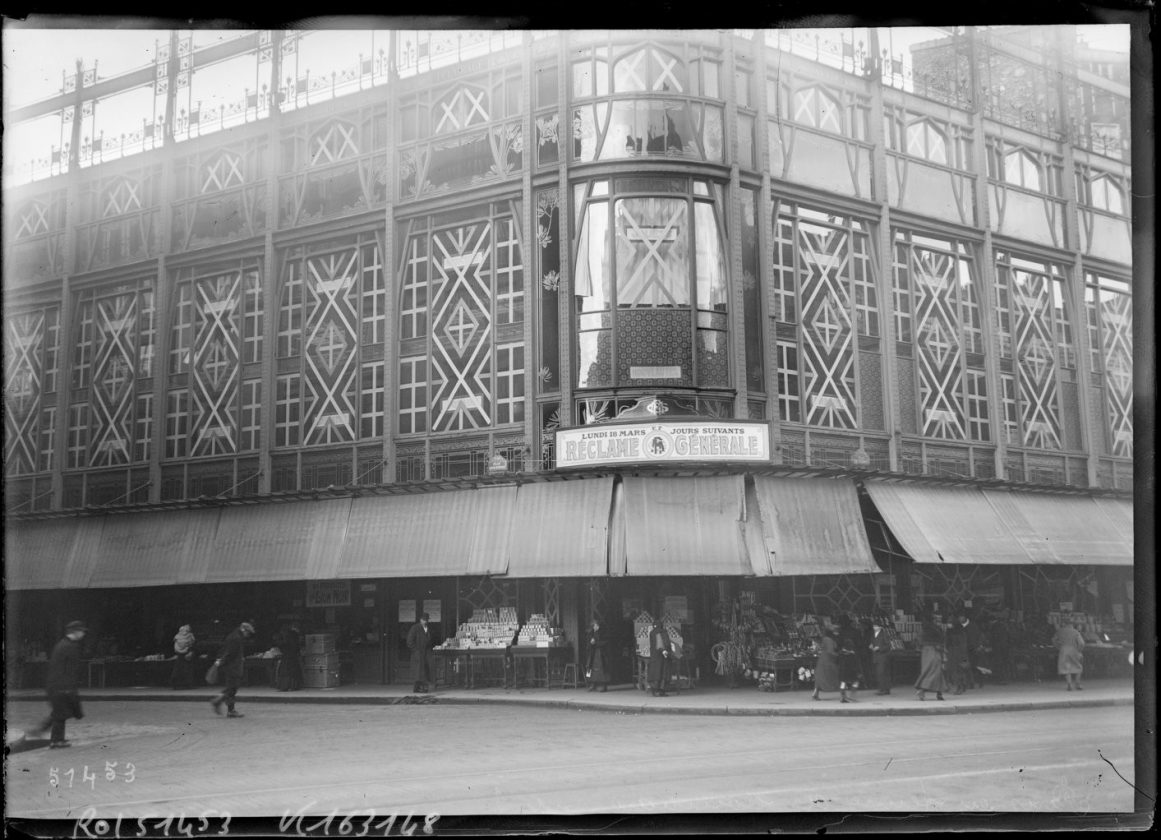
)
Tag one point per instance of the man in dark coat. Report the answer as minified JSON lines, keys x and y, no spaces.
{"x":881,"y":655}
{"x":290,"y":667}
{"x":419,"y":643}
{"x":231,"y":664}
{"x":597,"y":663}
{"x":64,"y":680}
{"x":975,"y":654}
{"x":660,"y":653}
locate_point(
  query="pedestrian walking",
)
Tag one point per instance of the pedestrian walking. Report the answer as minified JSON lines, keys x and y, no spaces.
{"x":62,"y":685}
{"x":290,"y":665}
{"x":848,"y":658}
{"x":1000,"y":640}
{"x":932,"y":652}
{"x":974,"y":644}
{"x":956,"y":662}
{"x":1070,"y":660}
{"x":826,"y":670}
{"x":231,"y":664}
{"x":660,"y":654}
{"x":419,"y":642}
{"x":597,"y":663}
{"x":880,"y":648}
{"x":183,"y":664}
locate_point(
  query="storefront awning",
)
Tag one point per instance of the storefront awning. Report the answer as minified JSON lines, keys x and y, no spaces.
{"x":420,"y":535}
{"x":811,"y":526}
{"x":491,"y":529}
{"x":37,"y":554}
{"x":149,"y":549}
{"x":281,"y":541}
{"x":681,"y":526}
{"x":561,"y":529}
{"x":1063,"y":529}
{"x":947,"y":524}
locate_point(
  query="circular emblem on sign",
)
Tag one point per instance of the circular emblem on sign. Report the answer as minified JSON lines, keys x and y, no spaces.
{"x":658,"y":444}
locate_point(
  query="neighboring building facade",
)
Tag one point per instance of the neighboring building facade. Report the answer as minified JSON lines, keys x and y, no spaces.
{"x":403,"y":283}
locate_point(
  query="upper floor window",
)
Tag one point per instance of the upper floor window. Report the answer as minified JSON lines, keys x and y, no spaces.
{"x":221,"y":172}
{"x":462,"y":107}
{"x":926,"y":141}
{"x":649,"y":69}
{"x":336,"y":140}
{"x":829,"y":109}
{"x":651,"y":284}
{"x":31,"y":220}
{"x":123,"y":196}
{"x":1023,"y":167}
{"x":1103,"y":192}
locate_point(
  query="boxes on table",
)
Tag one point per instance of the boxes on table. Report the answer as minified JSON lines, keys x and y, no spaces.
{"x":320,"y":643}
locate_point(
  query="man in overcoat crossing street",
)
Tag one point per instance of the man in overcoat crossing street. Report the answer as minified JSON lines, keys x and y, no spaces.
{"x":62,"y":685}
{"x":419,"y":642}
{"x":231,"y":668}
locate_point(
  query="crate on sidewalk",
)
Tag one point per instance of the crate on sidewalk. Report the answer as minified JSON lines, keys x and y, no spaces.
{"x":320,"y":643}
{"x":321,"y":660}
{"x":321,"y":677}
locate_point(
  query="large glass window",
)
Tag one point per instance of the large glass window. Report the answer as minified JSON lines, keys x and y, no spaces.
{"x":462,"y":360}
{"x":1034,"y":330}
{"x":937,"y":310}
{"x":1108,"y":305}
{"x":825,"y":296}
{"x":651,"y":284}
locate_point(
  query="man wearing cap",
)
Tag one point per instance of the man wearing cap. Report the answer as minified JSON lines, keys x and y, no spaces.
{"x":231,"y":666}
{"x":64,"y":679}
{"x":419,"y":642}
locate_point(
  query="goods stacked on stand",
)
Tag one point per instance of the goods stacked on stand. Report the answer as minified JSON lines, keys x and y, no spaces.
{"x":537,"y":632}
{"x":487,"y":628}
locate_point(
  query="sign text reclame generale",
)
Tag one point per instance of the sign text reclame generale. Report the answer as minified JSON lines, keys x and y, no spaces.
{"x":662,"y":442}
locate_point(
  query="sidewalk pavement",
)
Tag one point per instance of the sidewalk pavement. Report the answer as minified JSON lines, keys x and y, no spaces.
{"x":627,"y":699}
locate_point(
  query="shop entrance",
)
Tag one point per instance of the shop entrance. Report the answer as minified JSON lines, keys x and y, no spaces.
{"x":408,"y":600}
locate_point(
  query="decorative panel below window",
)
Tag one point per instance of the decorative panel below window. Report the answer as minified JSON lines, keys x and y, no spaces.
{"x":467,"y":280}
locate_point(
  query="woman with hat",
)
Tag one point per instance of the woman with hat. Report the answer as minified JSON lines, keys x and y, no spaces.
{"x":64,"y":679}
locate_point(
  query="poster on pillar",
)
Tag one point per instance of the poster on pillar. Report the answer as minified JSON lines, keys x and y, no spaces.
{"x":407,"y":613}
{"x":432,"y":608}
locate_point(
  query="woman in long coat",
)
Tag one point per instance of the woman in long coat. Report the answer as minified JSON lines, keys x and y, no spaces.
{"x":597,"y":664}
{"x":826,"y":670}
{"x":931,"y":676}
{"x":1070,"y":660}
{"x":660,"y":652}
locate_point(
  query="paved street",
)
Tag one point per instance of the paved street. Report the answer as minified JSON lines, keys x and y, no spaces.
{"x":283,"y":759}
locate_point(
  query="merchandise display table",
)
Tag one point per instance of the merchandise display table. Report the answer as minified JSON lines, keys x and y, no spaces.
{"x":509,"y":667}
